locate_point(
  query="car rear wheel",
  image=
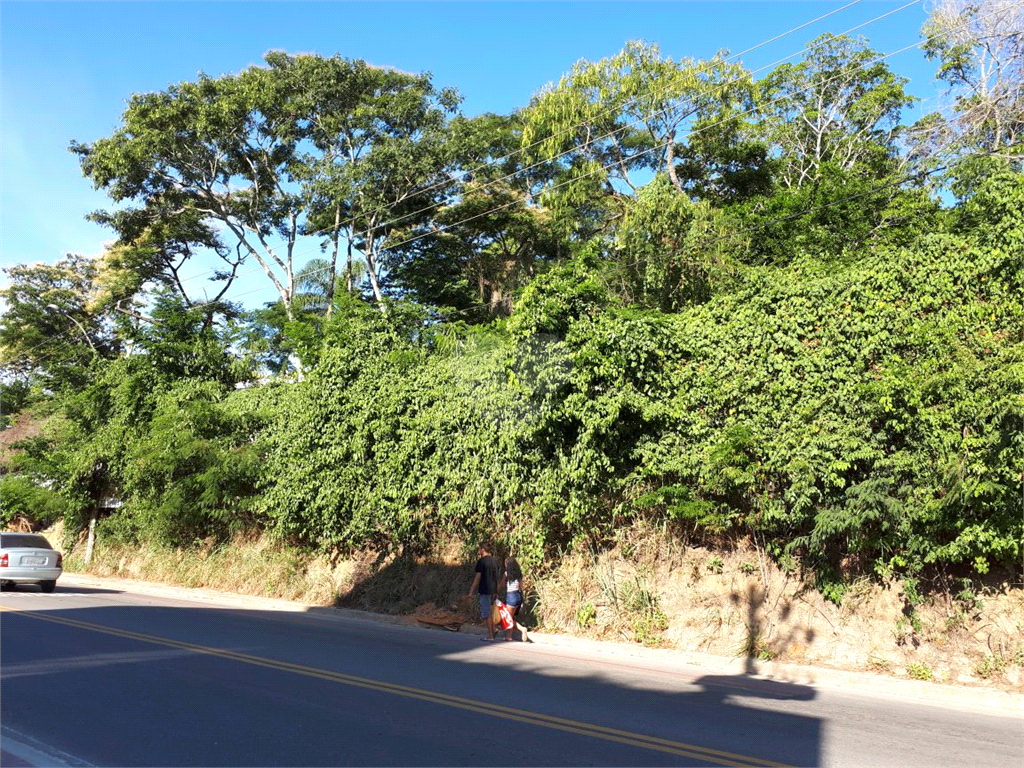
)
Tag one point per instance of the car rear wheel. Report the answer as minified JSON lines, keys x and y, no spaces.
{"x":6,"y":586}
{"x":48,"y":585}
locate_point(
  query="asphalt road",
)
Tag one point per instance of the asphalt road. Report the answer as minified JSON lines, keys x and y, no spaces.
{"x":111,"y":677}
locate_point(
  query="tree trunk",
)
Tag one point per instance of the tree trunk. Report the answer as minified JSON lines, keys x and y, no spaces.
{"x":670,"y":164}
{"x":90,"y":541}
{"x":334,"y":260}
{"x":349,"y":277}
{"x":371,"y":269}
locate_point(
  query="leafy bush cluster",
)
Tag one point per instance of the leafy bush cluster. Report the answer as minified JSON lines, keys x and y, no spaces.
{"x":866,"y":413}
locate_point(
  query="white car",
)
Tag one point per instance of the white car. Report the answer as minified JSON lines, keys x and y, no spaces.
{"x":28,"y":558}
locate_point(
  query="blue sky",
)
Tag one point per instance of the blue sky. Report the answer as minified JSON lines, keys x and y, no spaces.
{"x":67,"y":69}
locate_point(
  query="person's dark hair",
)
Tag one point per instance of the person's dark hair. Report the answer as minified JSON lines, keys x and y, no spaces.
{"x":486,"y":547}
{"x":515,"y":573}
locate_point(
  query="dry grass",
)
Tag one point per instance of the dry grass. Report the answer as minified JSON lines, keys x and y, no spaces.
{"x":257,"y":566}
{"x":736,"y":602}
{"x":244,"y":566}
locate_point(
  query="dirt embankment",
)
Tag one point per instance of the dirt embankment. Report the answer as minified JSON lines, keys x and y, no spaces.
{"x":648,"y":589}
{"x":739,"y":603}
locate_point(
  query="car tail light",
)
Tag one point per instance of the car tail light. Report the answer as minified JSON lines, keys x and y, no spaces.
{"x":3,"y":560}
{"x":60,"y":560}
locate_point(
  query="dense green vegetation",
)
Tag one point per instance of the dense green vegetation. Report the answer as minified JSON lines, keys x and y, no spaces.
{"x":661,"y":290}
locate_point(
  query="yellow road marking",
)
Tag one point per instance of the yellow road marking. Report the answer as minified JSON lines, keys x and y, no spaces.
{"x":496,"y":710}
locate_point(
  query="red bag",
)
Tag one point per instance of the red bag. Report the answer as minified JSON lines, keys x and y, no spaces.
{"x":505,"y":615}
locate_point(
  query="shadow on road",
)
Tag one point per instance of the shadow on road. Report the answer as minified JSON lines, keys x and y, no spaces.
{"x":66,"y":589}
{"x":723,"y":687}
{"x":170,"y":685}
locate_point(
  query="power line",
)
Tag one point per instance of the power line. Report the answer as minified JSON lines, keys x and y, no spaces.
{"x":596,"y":139}
{"x":507,"y":205}
{"x":501,"y":207}
{"x":780,"y":220}
{"x":445,"y":316}
{"x":522,"y":150}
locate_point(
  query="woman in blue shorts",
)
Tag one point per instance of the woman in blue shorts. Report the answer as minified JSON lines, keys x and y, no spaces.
{"x":511,"y":581}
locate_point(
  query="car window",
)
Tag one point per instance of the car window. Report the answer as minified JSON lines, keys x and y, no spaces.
{"x":27,"y":540}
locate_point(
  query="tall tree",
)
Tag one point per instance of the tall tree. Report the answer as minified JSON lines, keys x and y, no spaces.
{"x":979,"y":46}
{"x":491,"y":237}
{"x":50,"y":327}
{"x":605,"y":123}
{"x":379,"y":160}
{"x":249,"y":164}
{"x":832,"y":125}
{"x":840,"y":106}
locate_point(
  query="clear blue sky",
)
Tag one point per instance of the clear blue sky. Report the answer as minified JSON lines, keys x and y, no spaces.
{"x":68,"y":68}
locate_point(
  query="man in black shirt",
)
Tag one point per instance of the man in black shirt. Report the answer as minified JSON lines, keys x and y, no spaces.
{"x":485,"y":583}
